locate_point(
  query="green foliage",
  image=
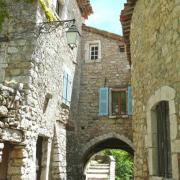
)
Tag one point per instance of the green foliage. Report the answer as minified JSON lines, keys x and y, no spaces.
{"x":124,"y":164}
{"x":3,"y":12}
{"x":44,"y":3}
{"x":27,"y":1}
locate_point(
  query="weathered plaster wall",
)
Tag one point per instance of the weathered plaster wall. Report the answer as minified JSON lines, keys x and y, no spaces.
{"x":114,"y":67}
{"x":155,"y":43}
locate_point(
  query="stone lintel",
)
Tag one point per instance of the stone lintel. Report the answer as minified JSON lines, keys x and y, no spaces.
{"x":11,"y":135}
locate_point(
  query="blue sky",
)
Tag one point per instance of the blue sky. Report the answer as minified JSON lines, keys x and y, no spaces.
{"x":106,"y":15}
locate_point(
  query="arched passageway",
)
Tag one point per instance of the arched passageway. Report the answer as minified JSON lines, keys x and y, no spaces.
{"x":108,"y":141}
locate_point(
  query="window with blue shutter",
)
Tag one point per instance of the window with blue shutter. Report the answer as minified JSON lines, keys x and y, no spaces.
{"x":67,"y":88}
{"x":103,"y":101}
{"x":129,"y":100}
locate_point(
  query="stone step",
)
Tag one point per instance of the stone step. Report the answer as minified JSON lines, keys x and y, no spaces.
{"x":99,"y":165}
{"x":99,"y":168}
{"x":98,"y":176}
{"x":98,"y":171}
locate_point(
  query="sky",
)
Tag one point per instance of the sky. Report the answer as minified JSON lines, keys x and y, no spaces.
{"x":106,"y":15}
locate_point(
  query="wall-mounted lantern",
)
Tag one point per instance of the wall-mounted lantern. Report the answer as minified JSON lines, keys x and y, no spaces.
{"x":72,"y":36}
{"x":72,"y":33}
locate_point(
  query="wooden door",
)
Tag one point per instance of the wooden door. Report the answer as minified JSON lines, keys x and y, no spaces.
{"x":5,"y":161}
{"x":163,"y":139}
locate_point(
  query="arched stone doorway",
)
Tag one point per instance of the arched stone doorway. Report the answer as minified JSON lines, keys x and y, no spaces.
{"x":106,"y":141}
{"x":163,"y":94}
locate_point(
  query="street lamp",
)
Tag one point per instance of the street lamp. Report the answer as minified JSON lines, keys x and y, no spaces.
{"x":72,"y":36}
{"x":72,"y":32}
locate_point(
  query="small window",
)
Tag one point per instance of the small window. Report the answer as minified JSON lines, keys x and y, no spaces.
{"x":121,"y":48}
{"x":94,"y":51}
{"x":119,"y":102}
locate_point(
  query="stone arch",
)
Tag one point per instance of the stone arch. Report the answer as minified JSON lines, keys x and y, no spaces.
{"x":93,"y":146}
{"x":164,"y":93}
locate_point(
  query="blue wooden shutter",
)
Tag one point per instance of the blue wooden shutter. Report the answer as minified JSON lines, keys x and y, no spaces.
{"x":69,"y":89}
{"x":103,"y":101}
{"x":65,"y":81}
{"x":129,"y":100}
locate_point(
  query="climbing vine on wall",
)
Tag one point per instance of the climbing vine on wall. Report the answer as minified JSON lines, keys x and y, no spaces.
{"x":28,"y":1}
{"x":48,"y":12}
{"x":44,"y":4}
{"x":3,"y":12}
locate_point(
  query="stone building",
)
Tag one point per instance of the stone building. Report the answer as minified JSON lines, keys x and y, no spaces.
{"x":46,"y":134}
{"x":152,"y":34}
{"x":104,"y":108}
{"x":36,"y":73}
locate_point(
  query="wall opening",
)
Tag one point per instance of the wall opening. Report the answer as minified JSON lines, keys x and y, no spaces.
{"x":107,"y":156}
{"x":162,"y":133}
{"x":110,"y":164}
{"x":5,"y":160}
{"x":42,"y":160}
{"x":163,"y":140}
{"x":38,"y":157}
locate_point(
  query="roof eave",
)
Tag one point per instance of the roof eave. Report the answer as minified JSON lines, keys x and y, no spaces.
{"x":125,"y":18}
{"x":85,"y":8}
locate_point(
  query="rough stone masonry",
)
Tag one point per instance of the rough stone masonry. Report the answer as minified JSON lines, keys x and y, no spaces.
{"x":152,"y":29}
{"x":33,"y":60}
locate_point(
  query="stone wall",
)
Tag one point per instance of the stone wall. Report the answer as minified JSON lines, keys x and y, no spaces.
{"x":155,"y":42}
{"x":112,"y":70}
{"x":37,"y":60}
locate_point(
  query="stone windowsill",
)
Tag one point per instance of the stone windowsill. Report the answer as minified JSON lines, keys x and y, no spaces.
{"x":93,"y":61}
{"x":65,"y":106}
{"x":125,"y":116}
{"x":118,"y":116}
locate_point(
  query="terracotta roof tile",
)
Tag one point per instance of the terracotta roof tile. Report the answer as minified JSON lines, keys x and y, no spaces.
{"x":85,"y":8}
{"x":125,"y":18}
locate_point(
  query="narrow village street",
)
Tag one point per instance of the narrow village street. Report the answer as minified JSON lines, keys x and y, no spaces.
{"x":84,"y":98}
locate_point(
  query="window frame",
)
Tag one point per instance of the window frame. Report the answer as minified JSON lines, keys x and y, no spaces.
{"x":110,"y":100}
{"x":161,"y":95}
{"x":93,"y":51}
{"x":122,"y":48}
{"x":88,"y":51}
{"x":67,"y":87}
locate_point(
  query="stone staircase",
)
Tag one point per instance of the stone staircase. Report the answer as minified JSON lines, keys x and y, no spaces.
{"x":98,"y":171}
